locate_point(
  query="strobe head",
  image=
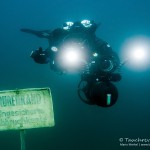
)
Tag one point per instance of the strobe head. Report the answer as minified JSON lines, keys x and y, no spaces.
{"x":103,"y":94}
{"x":72,"y":53}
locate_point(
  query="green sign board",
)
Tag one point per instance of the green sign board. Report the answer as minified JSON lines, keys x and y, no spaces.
{"x":26,"y":108}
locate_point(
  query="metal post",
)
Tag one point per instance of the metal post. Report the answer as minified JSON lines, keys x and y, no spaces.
{"x":22,"y":139}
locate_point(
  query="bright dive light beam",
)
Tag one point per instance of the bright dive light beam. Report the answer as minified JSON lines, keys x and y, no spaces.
{"x":137,"y":52}
{"x":72,"y":57}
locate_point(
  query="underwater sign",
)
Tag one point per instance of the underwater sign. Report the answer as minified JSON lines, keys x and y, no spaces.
{"x":26,"y":108}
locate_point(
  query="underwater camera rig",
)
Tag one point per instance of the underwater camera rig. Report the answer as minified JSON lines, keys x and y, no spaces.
{"x":76,"y":48}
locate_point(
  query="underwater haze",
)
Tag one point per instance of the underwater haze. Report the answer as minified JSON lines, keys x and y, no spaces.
{"x":78,"y":126}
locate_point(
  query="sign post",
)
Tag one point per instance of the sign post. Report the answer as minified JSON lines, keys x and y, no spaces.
{"x":25,"y":109}
{"x":22,"y":139}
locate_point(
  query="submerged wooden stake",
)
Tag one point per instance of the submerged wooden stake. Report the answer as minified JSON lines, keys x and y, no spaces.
{"x":22,"y":139}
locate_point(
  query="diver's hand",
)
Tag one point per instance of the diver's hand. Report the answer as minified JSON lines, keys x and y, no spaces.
{"x":39,"y":56}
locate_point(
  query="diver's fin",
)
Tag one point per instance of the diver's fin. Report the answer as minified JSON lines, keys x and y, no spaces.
{"x":41,"y":34}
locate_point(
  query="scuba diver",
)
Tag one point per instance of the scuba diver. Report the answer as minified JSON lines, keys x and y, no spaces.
{"x":75,"y":47}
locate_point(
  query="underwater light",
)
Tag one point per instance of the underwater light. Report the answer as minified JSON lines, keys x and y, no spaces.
{"x":86,"y":23}
{"x":95,"y":54}
{"x":67,"y":25}
{"x":71,"y":57}
{"x":137,"y":53}
{"x":54,"y":49}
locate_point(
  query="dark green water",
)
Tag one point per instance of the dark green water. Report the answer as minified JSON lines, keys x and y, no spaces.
{"x":78,"y":126}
